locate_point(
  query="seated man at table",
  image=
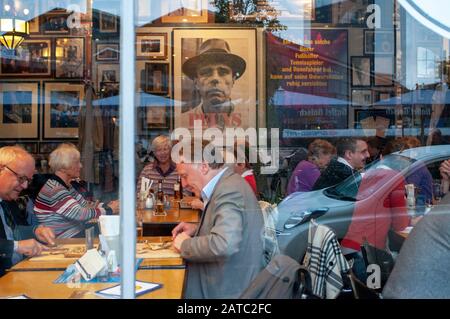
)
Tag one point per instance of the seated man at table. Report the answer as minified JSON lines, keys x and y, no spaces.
{"x":224,"y":252}
{"x":16,"y":170}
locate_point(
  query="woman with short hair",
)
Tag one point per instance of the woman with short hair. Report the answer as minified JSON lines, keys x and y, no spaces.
{"x":58,"y":205}
{"x":163,"y":168}
{"x":307,"y":171}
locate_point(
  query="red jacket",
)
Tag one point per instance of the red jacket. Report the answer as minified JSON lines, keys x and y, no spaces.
{"x":373,"y":216}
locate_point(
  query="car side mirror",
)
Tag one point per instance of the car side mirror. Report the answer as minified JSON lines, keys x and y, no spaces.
{"x":302,"y":217}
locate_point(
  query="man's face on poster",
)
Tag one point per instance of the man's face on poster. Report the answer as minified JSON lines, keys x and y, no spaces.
{"x":214,"y":82}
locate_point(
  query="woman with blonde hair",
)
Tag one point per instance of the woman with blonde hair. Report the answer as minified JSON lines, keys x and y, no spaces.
{"x":308,"y":171}
{"x":58,"y":205}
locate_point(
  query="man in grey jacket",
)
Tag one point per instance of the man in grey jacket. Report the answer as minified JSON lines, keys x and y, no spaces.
{"x":224,"y":252}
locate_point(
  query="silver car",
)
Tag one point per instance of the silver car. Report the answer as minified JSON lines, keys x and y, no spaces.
{"x":334,"y":206}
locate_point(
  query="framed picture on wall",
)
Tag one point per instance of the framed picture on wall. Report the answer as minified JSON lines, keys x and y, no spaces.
{"x":62,"y":102}
{"x":155,"y":117}
{"x":361,"y":67}
{"x":383,"y":70}
{"x":352,"y":13}
{"x":31,"y":58}
{"x":361,"y":98}
{"x":19,"y":114}
{"x":69,"y":58}
{"x":156,"y":78}
{"x":107,"y":73}
{"x":108,"y":22}
{"x":378,"y":42}
{"x":238,"y":103}
{"x":174,"y":11}
{"x":151,"y":46}
{"x":107,"y":52}
{"x":55,"y":23}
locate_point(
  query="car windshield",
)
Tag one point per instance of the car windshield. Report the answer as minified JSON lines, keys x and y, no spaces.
{"x":350,"y":190}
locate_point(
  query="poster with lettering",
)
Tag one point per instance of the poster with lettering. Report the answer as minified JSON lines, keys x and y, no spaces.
{"x":215,"y":78}
{"x":307,"y":80}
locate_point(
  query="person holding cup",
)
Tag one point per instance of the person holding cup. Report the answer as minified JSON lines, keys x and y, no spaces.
{"x":59,"y":205}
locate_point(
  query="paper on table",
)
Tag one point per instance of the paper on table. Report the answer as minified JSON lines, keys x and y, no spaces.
{"x":109,"y":225}
{"x":141,"y":287}
{"x":90,"y":264}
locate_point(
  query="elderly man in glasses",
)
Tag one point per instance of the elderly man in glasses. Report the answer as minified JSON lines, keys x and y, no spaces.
{"x":16,"y":170}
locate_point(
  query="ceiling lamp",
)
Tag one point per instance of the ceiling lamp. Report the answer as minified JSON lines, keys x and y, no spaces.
{"x":13,"y":31}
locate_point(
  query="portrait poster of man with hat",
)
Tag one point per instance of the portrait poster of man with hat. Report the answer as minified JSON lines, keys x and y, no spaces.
{"x":215,"y":78}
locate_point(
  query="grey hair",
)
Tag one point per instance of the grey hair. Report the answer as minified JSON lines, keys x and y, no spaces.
{"x":9,"y":154}
{"x":63,"y":157}
{"x":161,"y":140}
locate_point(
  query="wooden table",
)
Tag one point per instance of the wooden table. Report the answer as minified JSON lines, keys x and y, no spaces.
{"x":162,"y":225}
{"x":39,"y":284}
{"x":163,"y":263}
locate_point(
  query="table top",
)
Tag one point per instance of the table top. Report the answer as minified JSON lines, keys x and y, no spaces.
{"x":173,"y":216}
{"x":39,"y":284}
{"x":154,"y":263}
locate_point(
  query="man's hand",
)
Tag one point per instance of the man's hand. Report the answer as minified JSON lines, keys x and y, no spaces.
{"x":45,"y":234}
{"x":444,"y":169}
{"x":183,"y":227}
{"x":197,"y":204}
{"x":30,"y":247}
{"x":179,"y":239}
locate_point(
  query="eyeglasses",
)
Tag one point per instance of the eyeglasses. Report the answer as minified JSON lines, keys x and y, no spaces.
{"x":21,"y":179}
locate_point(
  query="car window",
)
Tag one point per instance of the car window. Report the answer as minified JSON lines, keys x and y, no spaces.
{"x":350,"y":190}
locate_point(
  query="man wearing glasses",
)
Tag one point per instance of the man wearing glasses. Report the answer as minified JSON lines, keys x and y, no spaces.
{"x":16,"y":171}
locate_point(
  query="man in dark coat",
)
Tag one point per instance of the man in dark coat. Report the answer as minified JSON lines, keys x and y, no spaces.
{"x":352,"y":155}
{"x":16,"y":170}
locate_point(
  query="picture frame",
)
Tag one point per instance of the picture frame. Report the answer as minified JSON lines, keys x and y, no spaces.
{"x":151,"y":46}
{"x":380,"y":42}
{"x":155,"y":117}
{"x":19,"y":114}
{"x":156,"y":78}
{"x":187,"y":11}
{"x":55,"y":23}
{"x":69,"y":58}
{"x":108,"y":22}
{"x":350,"y":13}
{"x":383,"y":70}
{"x":107,"y":52}
{"x":361,"y":98}
{"x":361,"y":67}
{"x":62,"y":103}
{"x":107,"y":73}
{"x":188,"y":104}
{"x":31,"y":59}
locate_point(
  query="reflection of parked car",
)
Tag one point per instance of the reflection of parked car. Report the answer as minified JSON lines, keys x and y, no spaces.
{"x":334,"y":206}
